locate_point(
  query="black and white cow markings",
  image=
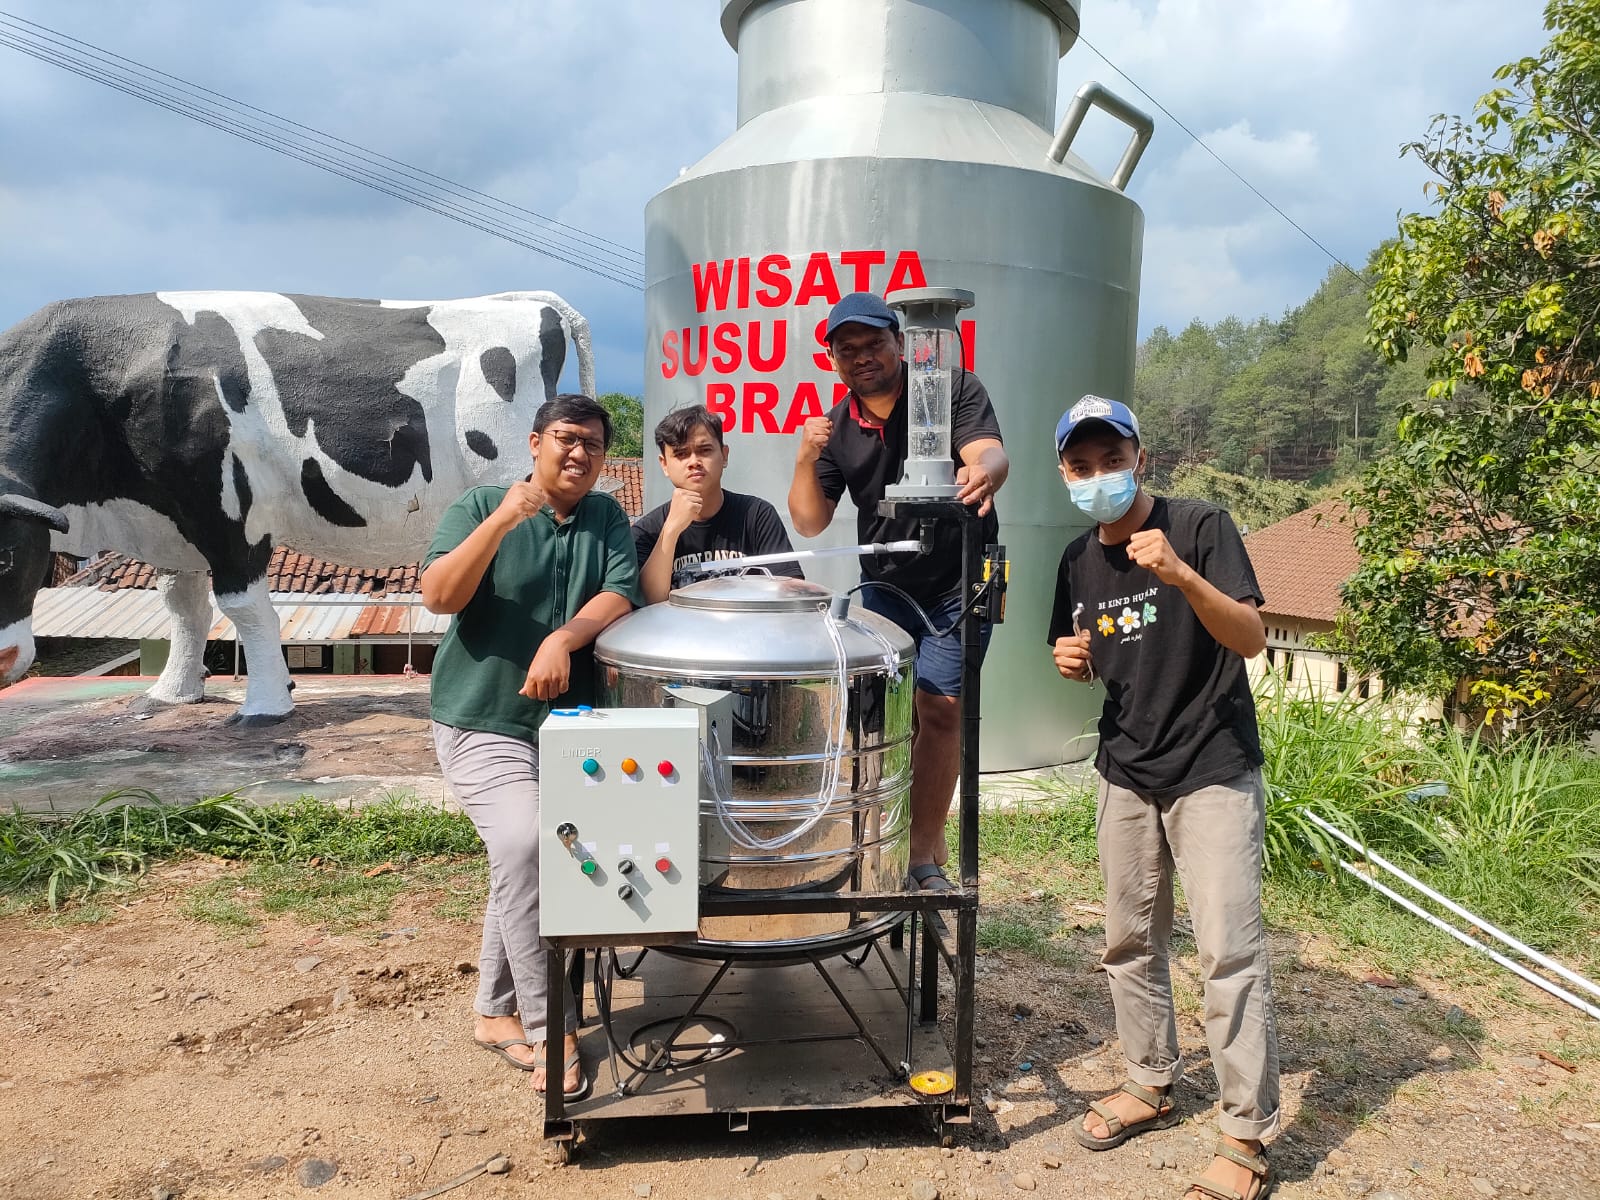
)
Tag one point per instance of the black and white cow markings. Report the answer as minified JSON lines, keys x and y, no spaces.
{"x":324,"y":501}
{"x":500,"y":371}
{"x":481,"y":444}
{"x":196,"y":430}
{"x":552,"y":352}
{"x":384,"y":438}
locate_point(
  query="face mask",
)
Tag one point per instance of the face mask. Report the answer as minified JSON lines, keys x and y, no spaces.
{"x":1104,"y":497}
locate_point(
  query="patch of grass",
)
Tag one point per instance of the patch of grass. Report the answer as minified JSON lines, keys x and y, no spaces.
{"x":463,"y":888}
{"x":1035,"y":930}
{"x":47,"y":858}
{"x":1057,"y":826}
{"x":78,"y":914}
{"x":341,"y":900}
{"x":217,"y":903}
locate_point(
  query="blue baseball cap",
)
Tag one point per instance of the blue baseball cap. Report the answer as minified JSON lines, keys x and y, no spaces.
{"x":862,"y":308}
{"x":1093,"y":409}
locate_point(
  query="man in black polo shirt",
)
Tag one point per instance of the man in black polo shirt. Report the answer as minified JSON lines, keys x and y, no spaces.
{"x":861,"y":447}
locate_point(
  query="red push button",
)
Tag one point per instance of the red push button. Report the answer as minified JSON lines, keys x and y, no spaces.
{"x":664,"y":769}
{"x":663,"y":864}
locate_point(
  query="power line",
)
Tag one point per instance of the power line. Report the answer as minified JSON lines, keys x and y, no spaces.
{"x":413,"y":185}
{"x":626,"y":252}
{"x":1166,"y":112}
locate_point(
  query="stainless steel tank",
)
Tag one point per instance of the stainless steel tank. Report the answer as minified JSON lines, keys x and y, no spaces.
{"x":759,"y":647}
{"x":886,"y":144}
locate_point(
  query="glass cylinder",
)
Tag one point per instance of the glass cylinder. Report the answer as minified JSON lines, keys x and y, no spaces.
{"x":930,"y":357}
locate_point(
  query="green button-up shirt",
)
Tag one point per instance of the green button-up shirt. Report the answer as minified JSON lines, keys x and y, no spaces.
{"x":544,"y":572}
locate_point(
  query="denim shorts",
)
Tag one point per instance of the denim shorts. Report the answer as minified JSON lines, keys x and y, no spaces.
{"x":938,"y":658}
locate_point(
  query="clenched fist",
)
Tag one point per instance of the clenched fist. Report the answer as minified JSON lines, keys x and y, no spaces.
{"x":813,"y":439}
{"x":1150,"y":549}
{"x":522,"y":500}
{"x":683,"y":512}
{"x":1072,"y":657}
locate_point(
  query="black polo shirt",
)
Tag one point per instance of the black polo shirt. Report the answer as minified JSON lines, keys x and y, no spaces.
{"x":864,"y":460}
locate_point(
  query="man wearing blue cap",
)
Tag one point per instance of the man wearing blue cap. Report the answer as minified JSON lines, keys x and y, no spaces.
{"x":861,"y":447}
{"x":1160,"y":603}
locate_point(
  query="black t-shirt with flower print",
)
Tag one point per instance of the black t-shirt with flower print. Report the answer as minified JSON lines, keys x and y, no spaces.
{"x":1178,"y":712}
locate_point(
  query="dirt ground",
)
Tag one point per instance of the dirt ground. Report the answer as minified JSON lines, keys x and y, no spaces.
{"x":152,"y":1055}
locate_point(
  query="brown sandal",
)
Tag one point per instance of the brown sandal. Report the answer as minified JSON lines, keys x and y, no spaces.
{"x":1160,"y":1099}
{"x":1256,"y":1164}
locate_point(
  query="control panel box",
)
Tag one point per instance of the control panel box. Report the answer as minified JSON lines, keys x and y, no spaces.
{"x":619,"y":822}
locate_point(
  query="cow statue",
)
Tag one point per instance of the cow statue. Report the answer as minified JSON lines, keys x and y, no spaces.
{"x":196,"y":430}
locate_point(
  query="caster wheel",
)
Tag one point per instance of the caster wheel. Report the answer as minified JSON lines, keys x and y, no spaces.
{"x":565,"y":1152}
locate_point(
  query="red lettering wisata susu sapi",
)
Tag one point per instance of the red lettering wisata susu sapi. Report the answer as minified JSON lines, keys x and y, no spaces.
{"x":756,"y":344}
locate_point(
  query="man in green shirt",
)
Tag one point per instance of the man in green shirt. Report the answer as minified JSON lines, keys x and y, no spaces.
{"x":532,"y":572}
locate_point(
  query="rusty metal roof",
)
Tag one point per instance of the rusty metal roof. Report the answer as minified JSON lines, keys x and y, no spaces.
{"x":87,"y":612}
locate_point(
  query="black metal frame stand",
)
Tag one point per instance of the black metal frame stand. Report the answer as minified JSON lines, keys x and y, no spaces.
{"x":928,"y":913}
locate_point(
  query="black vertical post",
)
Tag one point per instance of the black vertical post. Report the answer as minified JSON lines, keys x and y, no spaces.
{"x":971,"y":664}
{"x":555,"y":1036}
{"x":928,"y":1007}
{"x":967,"y":918}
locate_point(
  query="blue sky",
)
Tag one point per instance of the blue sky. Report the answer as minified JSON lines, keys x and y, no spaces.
{"x":583,"y":109}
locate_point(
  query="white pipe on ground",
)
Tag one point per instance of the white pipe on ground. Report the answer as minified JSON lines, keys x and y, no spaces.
{"x":1529,"y":952}
{"x":1510,"y":964}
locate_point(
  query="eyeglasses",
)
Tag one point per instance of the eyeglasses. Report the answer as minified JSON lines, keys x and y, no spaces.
{"x":568,"y":440}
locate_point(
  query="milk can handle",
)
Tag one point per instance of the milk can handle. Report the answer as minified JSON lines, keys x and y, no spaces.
{"x":1094,"y":95}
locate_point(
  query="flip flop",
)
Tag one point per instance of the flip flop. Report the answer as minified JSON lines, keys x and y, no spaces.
{"x":573,"y":1059}
{"x":930,"y":877}
{"x":501,"y":1048}
{"x":582,"y":1090}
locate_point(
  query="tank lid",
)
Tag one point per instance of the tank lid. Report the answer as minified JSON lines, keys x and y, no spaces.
{"x":1064,"y":11}
{"x":752,"y":593}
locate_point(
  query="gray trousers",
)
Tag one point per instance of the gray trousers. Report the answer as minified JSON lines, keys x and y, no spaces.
{"x":1213,"y":836}
{"x":496,"y":780}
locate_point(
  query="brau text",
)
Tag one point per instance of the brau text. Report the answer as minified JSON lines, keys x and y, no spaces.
{"x":741,"y":335}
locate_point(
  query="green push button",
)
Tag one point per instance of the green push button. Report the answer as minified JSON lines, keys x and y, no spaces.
{"x":591,"y":766}
{"x":589,"y":866}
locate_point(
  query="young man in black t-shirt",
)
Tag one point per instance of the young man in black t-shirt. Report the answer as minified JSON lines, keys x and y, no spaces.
{"x":1160,"y":604}
{"x":860,"y":447}
{"x":701,"y":522}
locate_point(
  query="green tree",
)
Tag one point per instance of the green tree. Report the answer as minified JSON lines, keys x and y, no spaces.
{"x":627,"y":424}
{"x":1481,"y":542}
{"x":1252,"y":503}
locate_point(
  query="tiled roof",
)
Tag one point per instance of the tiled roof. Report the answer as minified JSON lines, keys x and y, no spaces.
{"x":290,"y":571}
{"x":629,"y":474}
{"x":287,"y":572}
{"x":1302,"y":560}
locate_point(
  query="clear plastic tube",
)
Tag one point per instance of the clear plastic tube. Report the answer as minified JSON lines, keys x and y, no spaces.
{"x":832,"y":764}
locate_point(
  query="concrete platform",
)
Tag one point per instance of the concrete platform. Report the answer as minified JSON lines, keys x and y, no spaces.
{"x":66,"y":742}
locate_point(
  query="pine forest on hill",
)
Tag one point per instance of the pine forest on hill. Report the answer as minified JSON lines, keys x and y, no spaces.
{"x":1265,"y":417}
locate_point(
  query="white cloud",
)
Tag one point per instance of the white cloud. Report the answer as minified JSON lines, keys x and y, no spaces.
{"x":1309,"y":101}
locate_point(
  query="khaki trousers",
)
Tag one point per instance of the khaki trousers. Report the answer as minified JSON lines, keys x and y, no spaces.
{"x":1213,"y":836}
{"x":496,"y":780}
